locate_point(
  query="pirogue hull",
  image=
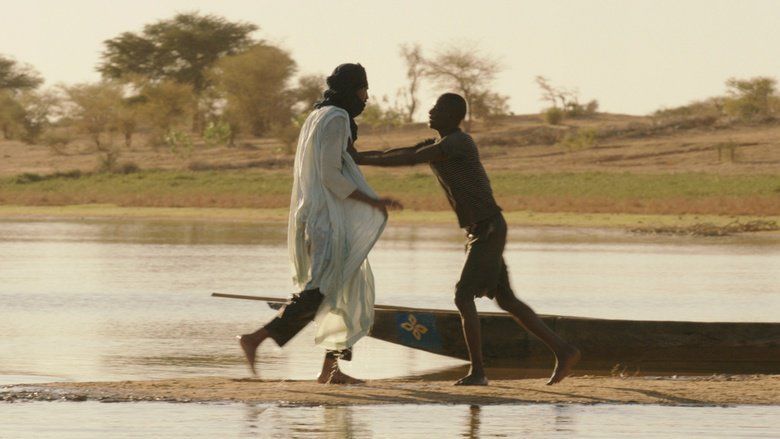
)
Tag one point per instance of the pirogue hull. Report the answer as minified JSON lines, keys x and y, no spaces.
{"x":626,"y":345}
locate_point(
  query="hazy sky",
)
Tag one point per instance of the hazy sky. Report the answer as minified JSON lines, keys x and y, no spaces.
{"x":632,"y":56}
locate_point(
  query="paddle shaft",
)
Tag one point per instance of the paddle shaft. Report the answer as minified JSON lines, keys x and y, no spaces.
{"x":382,"y":307}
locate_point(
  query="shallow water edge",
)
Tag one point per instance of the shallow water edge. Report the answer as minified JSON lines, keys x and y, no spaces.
{"x":717,"y":390}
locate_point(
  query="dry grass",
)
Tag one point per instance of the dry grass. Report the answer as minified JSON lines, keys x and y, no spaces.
{"x":518,"y":143}
{"x":630,"y":165}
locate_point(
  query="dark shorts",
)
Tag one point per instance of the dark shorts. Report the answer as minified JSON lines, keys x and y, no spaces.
{"x":484,"y":273}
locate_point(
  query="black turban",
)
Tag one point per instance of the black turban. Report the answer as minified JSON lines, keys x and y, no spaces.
{"x":348,"y":78}
{"x":343,"y":85}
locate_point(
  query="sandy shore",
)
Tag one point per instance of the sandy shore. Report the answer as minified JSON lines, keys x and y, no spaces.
{"x":712,"y":390}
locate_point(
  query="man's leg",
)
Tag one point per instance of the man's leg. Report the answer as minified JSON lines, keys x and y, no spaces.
{"x":472,"y":333}
{"x":296,"y":314}
{"x":566,"y":355}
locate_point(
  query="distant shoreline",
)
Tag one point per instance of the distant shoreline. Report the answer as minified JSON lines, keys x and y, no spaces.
{"x":406,"y":217}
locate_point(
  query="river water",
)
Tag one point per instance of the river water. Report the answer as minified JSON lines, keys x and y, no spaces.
{"x":108,"y":300}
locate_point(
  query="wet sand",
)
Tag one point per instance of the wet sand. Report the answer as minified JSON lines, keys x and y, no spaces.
{"x":711,"y":390}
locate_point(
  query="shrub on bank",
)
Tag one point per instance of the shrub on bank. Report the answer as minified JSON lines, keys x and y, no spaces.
{"x":553,"y":116}
{"x":30,"y":177}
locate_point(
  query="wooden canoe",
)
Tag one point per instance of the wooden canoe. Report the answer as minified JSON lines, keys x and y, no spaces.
{"x":629,"y":346}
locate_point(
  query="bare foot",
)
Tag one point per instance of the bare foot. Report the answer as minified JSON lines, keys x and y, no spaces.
{"x":249,"y":346}
{"x":332,"y":374}
{"x":564,"y":364}
{"x":473,"y":379}
{"x":339,"y":377}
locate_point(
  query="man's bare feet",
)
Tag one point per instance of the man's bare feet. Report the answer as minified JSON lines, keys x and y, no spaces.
{"x":332,"y":374}
{"x":338,"y":377}
{"x":249,"y":346}
{"x":473,"y":379}
{"x":564,"y":364}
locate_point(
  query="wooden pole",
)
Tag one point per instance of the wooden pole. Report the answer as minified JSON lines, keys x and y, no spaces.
{"x":381,"y":307}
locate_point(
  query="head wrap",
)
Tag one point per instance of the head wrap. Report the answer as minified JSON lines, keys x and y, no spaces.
{"x":343,"y":85}
{"x":347,"y":77}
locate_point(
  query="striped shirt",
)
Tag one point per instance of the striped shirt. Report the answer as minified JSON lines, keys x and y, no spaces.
{"x":464,"y":179}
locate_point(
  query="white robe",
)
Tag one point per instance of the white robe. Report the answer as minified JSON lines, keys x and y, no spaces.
{"x":330,"y":235}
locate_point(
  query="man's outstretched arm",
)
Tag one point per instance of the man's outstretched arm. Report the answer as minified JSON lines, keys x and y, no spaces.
{"x":423,"y":152}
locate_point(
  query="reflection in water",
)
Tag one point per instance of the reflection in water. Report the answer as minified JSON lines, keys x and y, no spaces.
{"x":132,"y":420}
{"x":473,"y":425}
{"x":340,"y":423}
{"x":563,"y":420}
{"x":130,"y":300}
{"x":254,"y":424}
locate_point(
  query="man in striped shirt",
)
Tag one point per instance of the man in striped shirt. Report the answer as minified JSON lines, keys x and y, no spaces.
{"x":454,"y":159}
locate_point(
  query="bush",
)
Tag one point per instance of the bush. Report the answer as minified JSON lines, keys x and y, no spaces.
{"x":179,"y":142}
{"x":288,"y":135}
{"x":108,"y":160}
{"x":72,"y":175}
{"x":537,"y":135}
{"x":592,"y":107}
{"x":29,"y":177}
{"x":38,"y":106}
{"x":128,"y":168}
{"x":580,"y":139}
{"x":696,"y":114}
{"x":553,"y":115}
{"x":199,"y":165}
{"x":750,"y":99}
{"x":218,"y":134}
{"x":488,"y":105}
{"x":57,"y":140}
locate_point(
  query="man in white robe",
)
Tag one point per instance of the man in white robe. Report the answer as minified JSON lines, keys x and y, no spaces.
{"x":335,"y":220}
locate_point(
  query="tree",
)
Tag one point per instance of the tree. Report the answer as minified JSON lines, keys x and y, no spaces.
{"x":164,"y":106}
{"x":489,"y":105}
{"x":15,"y":77}
{"x":415,"y":70}
{"x":551,"y":94}
{"x":381,"y":115}
{"x":254,"y":85}
{"x":465,"y":70}
{"x":563,"y":102}
{"x":308,"y":92}
{"x":38,"y":108}
{"x":128,"y":118}
{"x":750,"y":98}
{"x":11,"y":115}
{"x":181,"y":49}
{"x":94,"y":109}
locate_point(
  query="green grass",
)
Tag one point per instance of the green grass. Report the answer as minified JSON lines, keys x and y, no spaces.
{"x":627,"y":185}
{"x":598,"y":184}
{"x":153,"y":188}
{"x":682,"y":193}
{"x":279,"y":215}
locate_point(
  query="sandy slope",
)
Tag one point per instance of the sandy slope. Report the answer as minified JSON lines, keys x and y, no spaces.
{"x":519,"y":143}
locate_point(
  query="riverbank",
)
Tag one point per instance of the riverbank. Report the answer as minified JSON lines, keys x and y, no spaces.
{"x":406,"y":217}
{"x":683,"y":391}
{"x":548,"y":192}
